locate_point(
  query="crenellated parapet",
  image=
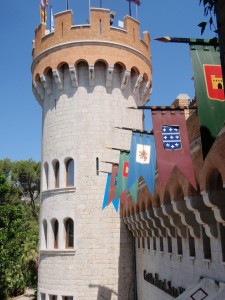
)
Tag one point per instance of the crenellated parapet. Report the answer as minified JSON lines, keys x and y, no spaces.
{"x":69,"y":45}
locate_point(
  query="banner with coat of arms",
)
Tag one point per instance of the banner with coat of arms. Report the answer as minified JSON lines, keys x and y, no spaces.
{"x":172,"y":145}
{"x":209,"y":88}
{"x":142,"y":161}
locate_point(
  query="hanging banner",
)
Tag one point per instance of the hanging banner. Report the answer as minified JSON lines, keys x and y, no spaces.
{"x":113,"y":184}
{"x":122,"y":173}
{"x":142,"y":160}
{"x":209,"y":88}
{"x":172,"y":145}
{"x":106,"y":195}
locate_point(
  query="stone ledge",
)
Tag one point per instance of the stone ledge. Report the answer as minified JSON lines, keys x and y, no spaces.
{"x":58,"y":252}
{"x":58,"y":191}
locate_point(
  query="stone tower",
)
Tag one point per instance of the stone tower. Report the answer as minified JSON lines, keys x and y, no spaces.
{"x":85,"y":77}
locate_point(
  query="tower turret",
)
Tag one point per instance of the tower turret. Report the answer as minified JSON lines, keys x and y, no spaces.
{"x":85,"y":77}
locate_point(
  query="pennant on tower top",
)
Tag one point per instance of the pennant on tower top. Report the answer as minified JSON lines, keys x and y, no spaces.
{"x":172,"y":145}
{"x":142,"y":160}
{"x":43,"y":11}
{"x":209,"y":93}
{"x":137,"y":2}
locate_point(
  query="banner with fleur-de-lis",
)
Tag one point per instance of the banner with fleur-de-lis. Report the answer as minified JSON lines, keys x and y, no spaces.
{"x":142,"y":160}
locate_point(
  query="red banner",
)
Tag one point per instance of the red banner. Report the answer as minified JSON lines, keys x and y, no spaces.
{"x":167,"y":158}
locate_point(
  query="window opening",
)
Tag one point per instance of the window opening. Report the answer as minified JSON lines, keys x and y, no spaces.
{"x":206,"y":245}
{"x":169,"y":243}
{"x":70,"y":172}
{"x":179,"y":245}
{"x":69,"y":233}
{"x":161,"y":243}
{"x":55,"y":233}
{"x":191,"y":242}
{"x":56,"y":171}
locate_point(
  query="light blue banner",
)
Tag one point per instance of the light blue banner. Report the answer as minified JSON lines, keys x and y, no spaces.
{"x":142,"y":160}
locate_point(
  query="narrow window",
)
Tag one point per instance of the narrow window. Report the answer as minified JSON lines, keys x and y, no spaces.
{"x":69,"y":233}
{"x":67,"y":298}
{"x":191,"y":242}
{"x":222,"y":237}
{"x":56,"y":173}
{"x":45,"y":233}
{"x":70,"y":172}
{"x":139,"y":243}
{"x":169,"y":243}
{"x":52,"y":297}
{"x":46,"y":175}
{"x":179,"y":245}
{"x":42,"y":296}
{"x":148,"y":242}
{"x":154,"y":243}
{"x":143,"y":243}
{"x":100,"y":26}
{"x":97,"y":166}
{"x":161,"y":243}
{"x":206,"y":245}
{"x":55,"y":233}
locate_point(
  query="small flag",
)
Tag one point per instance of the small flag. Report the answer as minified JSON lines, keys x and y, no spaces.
{"x":137,"y":2}
{"x":142,"y":160}
{"x":46,"y":2}
{"x":172,"y":145}
{"x":52,"y":27}
{"x":43,"y":12}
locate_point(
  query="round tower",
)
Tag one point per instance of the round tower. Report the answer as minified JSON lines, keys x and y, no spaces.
{"x":85,"y":77}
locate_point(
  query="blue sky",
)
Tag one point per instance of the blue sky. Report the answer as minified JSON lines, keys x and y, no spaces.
{"x":20,"y":114}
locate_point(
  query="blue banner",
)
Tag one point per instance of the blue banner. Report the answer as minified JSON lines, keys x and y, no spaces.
{"x":142,"y":160}
{"x":106,"y":196}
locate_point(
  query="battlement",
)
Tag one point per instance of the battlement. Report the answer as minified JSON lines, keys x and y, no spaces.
{"x":99,"y":29}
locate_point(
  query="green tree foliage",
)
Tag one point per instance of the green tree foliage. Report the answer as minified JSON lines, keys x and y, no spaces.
{"x":26,"y":175}
{"x":209,"y":12}
{"x":18,"y":226}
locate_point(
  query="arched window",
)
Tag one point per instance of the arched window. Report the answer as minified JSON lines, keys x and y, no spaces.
{"x":55,"y":228}
{"x":70,"y":172}
{"x":45,"y":233}
{"x":46,"y":176}
{"x":56,"y":173}
{"x":69,"y":233}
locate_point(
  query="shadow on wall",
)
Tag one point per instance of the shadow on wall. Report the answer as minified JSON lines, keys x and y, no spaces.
{"x":104,"y":293}
{"x":126,"y":278}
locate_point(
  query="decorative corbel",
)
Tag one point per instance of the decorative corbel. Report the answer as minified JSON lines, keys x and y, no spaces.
{"x":73,"y":76}
{"x":125,"y":79}
{"x":109,"y":77}
{"x":91,"y":75}
{"x":58,"y":79}
{"x":46,"y":84}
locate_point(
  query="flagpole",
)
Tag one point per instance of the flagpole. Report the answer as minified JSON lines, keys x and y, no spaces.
{"x":89,"y":3}
{"x":50,"y":18}
{"x":136,"y":12}
{"x":101,"y":3}
{"x":129,"y":7}
{"x":67,"y":4}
